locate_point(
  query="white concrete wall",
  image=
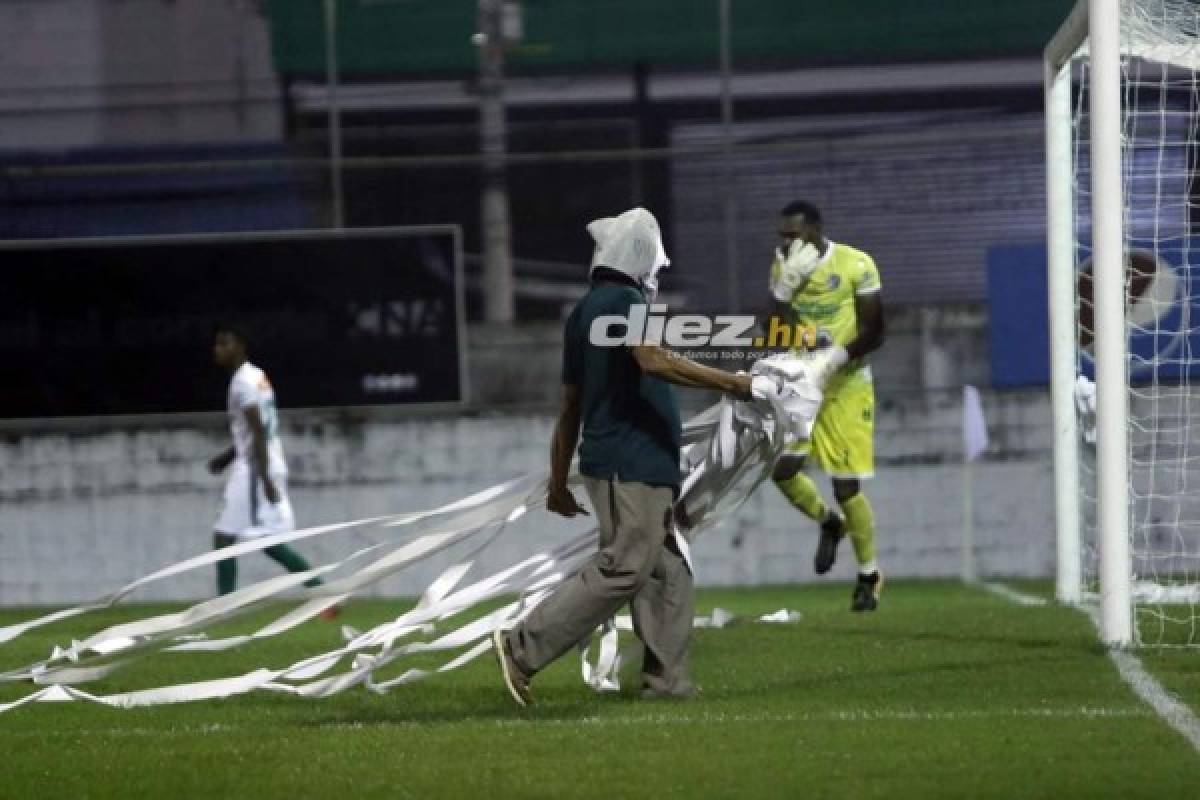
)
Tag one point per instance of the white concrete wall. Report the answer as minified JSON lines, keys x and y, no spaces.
{"x":82,"y":513}
{"x":83,"y":73}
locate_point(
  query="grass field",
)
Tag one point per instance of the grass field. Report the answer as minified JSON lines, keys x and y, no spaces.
{"x":947,"y":691}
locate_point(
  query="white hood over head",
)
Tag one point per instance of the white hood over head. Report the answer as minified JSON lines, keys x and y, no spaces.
{"x":630,"y":243}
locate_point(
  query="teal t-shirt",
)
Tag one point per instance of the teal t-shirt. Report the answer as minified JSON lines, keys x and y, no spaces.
{"x":631,"y":427}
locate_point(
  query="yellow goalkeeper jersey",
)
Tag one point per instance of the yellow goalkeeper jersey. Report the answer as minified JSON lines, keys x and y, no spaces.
{"x":825,"y":304}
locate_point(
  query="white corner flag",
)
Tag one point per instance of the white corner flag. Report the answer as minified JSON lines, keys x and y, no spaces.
{"x":975,"y":441}
{"x":975,"y":436}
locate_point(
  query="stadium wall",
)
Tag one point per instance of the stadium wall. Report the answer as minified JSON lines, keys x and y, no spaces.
{"x":84,"y":512}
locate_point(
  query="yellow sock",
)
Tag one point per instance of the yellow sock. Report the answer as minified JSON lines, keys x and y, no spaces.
{"x":860,"y":527}
{"x":802,"y":493}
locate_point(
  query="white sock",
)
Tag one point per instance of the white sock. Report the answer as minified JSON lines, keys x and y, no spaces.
{"x":867,"y":569}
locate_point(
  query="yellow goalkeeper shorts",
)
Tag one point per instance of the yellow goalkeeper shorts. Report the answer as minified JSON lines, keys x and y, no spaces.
{"x":843,"y":438}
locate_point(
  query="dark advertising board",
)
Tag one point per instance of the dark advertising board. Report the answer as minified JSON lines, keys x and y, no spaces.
{"x":125,"y":326}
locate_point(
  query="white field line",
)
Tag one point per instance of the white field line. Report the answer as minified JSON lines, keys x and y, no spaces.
{"x":1179,"y":716}
{"x":852,"y":715}
{"x":718,"y":718}
{"x":1176,"y":714}
{"x":1009,"y":593}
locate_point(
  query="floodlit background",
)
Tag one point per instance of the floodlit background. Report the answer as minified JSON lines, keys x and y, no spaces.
{"x":917,"y":131}
{"x":391,"y":195}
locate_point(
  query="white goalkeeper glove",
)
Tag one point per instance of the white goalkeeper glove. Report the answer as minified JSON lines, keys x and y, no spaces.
{"x":813,"y":368}
{"x":796,"y":265}
{"x":828,"y":360}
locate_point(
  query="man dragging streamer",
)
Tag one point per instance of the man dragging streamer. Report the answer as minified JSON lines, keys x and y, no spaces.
{"x":629,"y":460}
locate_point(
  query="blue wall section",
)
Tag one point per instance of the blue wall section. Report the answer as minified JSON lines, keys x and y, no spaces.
{"x":1165,"y":349}
{"x":1017,"y":315}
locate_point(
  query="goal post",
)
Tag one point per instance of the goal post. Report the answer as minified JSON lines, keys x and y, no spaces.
{"x":1096,"y":23}
{"x":1108,"y":244}
{"x":1122,"y":115}
{"x":1060,"y":259}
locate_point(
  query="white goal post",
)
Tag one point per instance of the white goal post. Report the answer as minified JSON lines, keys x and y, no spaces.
{"x":1122,"y":113}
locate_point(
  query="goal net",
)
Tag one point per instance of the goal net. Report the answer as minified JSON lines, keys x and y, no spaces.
{"x":1157,"y":576}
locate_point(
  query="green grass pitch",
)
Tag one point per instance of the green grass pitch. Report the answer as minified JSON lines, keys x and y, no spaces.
{"x":947,"y":691}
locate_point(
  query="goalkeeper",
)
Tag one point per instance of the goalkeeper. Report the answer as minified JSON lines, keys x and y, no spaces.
{"x":831,"y":292}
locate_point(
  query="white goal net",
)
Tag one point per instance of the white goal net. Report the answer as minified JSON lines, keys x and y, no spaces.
{"x":1160,"y":137}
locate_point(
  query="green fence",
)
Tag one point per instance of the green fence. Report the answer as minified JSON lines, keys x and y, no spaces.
{"x":432,"y":37}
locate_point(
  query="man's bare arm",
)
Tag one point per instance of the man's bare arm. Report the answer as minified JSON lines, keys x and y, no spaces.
{"x":566,"y":435}
{"x":681,"y":371}
{"x":218,"y":463}
{"x":869,"y":309}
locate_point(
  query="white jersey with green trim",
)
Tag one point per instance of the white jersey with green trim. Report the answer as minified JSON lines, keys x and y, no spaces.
{"x":249,"y":388}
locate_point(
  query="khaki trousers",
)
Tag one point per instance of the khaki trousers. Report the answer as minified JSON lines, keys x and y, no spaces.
{"x":638,"y":563}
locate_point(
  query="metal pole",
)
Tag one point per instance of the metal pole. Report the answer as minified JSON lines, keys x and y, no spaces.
{"x":1060,"y":279}
{"x":335,"y":114}
{"x":969,"y":574}
{"x":728,"y":189}
{"x":241,"y":93}
{"x":498,"y":298}
{"x":1112,"y":455}
{"x":641,"y":106}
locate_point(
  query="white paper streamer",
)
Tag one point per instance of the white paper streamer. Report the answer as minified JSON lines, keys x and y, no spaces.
{"x":728,"y":452}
